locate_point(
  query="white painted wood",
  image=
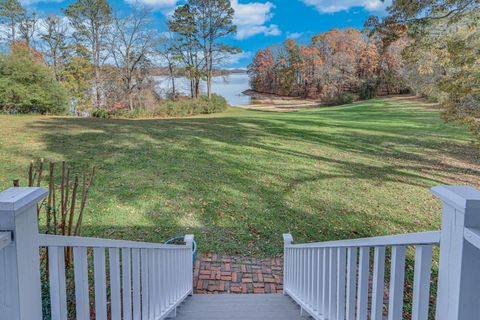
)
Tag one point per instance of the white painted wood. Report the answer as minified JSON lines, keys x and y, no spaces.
{"x":80,"y":268}
{"x":363,"y":275}
{"x":145,"y":281}
{"x":287,"y":239}
{"x":431,"y":237}
{"x":100,"y":283}
{"x":115,"y":286}
{"x":152,"y":285}
{"x":326,"y":282}
{"x":48,"y":240}
{"x":341,"y":278}
{"x":136,"y":302}
{"x":58,"y":295}
{"x":378,"y":284}
{"x":351,"y":283}
{"x":314,"y":288}
{"x":20,"y":289}
{"x":5,"y":239}
{"x":333,"y":274}
{"x":458,"y":295}
{"x":126,"y":284}
{"x":397,"y":278}
{"x":421,"y":282}
{"x":320,"y":282}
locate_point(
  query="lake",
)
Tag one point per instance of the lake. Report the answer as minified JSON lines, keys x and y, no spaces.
{"x":230,"y":87}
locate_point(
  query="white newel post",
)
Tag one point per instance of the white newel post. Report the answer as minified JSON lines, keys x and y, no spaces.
{"x":287,"y":240}
{"x":20,"y":289}
{"x":189,"y":242}
{"x":458,"y":296}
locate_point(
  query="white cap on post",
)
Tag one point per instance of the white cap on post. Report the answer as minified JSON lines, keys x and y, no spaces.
{"x":20,"y":292}
{"x":287,"y":238}
{"x":459,"y":279}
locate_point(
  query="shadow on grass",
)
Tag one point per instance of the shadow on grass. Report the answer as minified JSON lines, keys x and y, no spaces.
{"x":238,"y":182}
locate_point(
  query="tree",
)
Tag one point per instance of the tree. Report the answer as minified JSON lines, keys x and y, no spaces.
{"x":28,"y":28}
{"x":214,"y":19}
{"x":131,"y":44}
{"x":11,"y":12}
{"x":54,"y":35}
{"x":27,"y":85}
{"x":91,"y":22}
{"x":166,"y":50}
{"x":187,"y":47}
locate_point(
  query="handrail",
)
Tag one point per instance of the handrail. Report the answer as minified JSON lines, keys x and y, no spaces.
{"x":5,"y":239}
{"x":430,"y":237}
{"x":47,"y":240}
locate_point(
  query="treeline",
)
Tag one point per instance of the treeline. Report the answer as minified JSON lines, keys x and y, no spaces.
{"x":430,"y":47}
{"x":334,"y":63}
{"x":91,"y":58}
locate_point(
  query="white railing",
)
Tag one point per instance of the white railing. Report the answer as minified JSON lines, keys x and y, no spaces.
{"x":335,"y":280}
{"x":117,"y":279}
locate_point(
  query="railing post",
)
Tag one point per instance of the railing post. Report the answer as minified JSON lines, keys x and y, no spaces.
{"x":20,"y":289}
{"x":189,"y":242}
{"x":458,"y":296}
{"x":287,"y":240}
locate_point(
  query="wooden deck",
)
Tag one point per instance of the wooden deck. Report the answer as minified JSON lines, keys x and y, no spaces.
{"x":239,"y":307}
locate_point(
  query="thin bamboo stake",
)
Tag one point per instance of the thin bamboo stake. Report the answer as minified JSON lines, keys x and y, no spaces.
{"x":64,"y":213}
{"x":72,"y":207}
{"x":86,"y":188}
{"x":40,"y":172}
{"x":30,"y":174}
{"x":50,"y":195}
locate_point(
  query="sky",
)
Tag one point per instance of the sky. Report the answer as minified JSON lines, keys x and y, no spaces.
{"x":259,"y":23}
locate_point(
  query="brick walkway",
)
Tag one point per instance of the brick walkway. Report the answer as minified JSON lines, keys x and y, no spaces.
{"x":226,"y":274}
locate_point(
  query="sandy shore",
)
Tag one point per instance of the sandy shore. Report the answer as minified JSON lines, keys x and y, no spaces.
{"x":272,"y":102}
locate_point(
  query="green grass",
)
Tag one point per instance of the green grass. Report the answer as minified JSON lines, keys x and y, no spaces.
{"x":240,"y":179}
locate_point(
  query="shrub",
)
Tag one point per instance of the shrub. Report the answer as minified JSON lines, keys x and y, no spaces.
{"x":102,"y":113}
{"x":343,"y":98}
{"x":368,"y":89}
{"x":27,"y":85}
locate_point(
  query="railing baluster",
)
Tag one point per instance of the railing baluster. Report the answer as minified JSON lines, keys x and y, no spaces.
{"x":351,"y":283}
{"x":326,"y":282}
{"x":58,"y":294}
{"x":158,"y":271}
{"x":152,"y":283}
{"x":100,"y":283}
{"x":320,"y":281}
{"x":127,"y":284}
{"x":116,"y":304}
{"x":333,"y":283}
{"x":378,"y":283}
{"x":81,"y":283}
{"x":342,"y":260}
{"x":309,"y":277}
{"x":314,"y":279}
{"x":397,"y":278}
{"x":136,"y":283}
{"x":421,"y":282}
{"x":363,"y":273}
{"x":145,"y":283}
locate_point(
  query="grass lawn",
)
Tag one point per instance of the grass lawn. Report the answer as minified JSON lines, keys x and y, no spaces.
{"x":240,"y":179}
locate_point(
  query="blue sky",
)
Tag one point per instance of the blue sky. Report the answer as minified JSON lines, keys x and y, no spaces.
{"x":260,"y":23}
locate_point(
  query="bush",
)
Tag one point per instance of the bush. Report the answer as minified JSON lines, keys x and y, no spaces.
{"x":343,"y":98}
{"x":102,"y":113}
{"x":27,"y":85}
{"x":181,"y":107}
{"x":368,"y":89}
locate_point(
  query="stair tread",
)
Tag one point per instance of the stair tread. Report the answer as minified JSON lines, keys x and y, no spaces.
{"x":239,"y":306}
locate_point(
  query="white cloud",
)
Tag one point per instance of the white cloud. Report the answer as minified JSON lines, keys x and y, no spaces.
{"x":294,"y":35}
{"x":331,"y":6}
{"x":252,"y":19}
{"x":155,"y":4}
{"x":235,"y":58}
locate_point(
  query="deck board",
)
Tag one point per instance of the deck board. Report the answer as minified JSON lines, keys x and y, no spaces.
{"x":236,"y":307}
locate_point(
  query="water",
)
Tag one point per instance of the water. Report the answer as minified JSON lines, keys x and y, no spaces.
{"x":230,"y":87}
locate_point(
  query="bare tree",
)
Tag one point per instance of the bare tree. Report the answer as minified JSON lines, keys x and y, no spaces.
{"x":166,"y":51}
{"x":28,"y":28}
{"x":131,"y":44}
{"x":54,"y":36}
